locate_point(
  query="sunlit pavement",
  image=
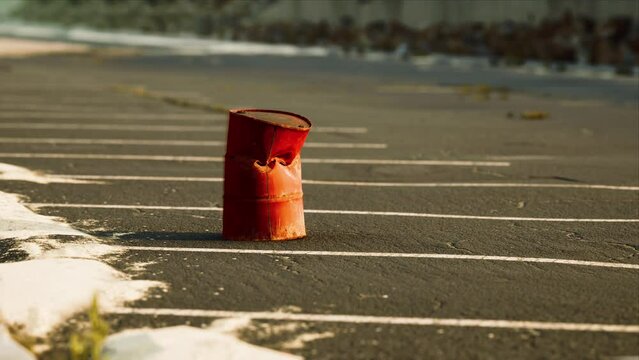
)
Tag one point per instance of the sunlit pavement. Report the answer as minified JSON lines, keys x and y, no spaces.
{"x":537,"y":219}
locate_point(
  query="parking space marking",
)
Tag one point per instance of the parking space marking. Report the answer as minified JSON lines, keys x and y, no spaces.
{"x":328,"y":145}
{"x":521,"y":157}
{"x":335,"y":212}
{"x":110,"y":116}
{"x":338,"y":129}
{"x":405,"y":162}
{"x":389,"y":255}
{"x":382,"y":320}
{"x":111,"y":127}
{"x":159,"y":128}
{"x":359,"y":183}
{"x":471,"y":185}
{"x":76,"y":141}
{"x":469,"y":217}
{"x":143,"y":178}
{"x":112,"y":103}
{"x":221,"y":159}
{"x":68,"y":108}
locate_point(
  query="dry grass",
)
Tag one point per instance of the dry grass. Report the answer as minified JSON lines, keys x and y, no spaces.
{"x":141,"y":91}
{"x":534,"y":115}
{"x":87,"y":344}
{"x":19,"y":334}
{"x":484,"y":92}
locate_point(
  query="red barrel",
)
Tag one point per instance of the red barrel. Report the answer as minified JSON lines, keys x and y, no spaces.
{"x":263,"y":175}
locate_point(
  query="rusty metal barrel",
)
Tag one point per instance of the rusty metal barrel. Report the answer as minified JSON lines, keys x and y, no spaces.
{"x":263,"y":175}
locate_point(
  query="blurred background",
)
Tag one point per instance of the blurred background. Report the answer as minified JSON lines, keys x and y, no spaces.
{"x":432,"y":110}
{"x":553,"y":33}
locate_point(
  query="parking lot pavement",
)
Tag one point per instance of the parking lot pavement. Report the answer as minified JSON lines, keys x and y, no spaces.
{"x":440,"y":225}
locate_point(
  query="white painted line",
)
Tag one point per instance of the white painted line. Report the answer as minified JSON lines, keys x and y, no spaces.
{"x":390,"y":255}
{"x":470,"y":217}
{"x":49,"y":86}
{"x":472,"y":185}
{"x":11,"y":140}
{"x":58,"y":141}
{"x":112,"y":157}
{"x":338,"y":212}
{"x":143,"y":178}
{"x":109,"y":116}
{"x":110,"y":127}
{"x":221,"y":159}
{"x":169,"y":128}
{"x":405,"y":162}
{"x":70,"y":108}
{"x":362,"y":183}
{"x":345,"y":145}
{"x":71,"y":100}
{"x":383,"y":320}
{"x":521,"y":157}
{"x":345,"y":130}
{"x":133,"y":207}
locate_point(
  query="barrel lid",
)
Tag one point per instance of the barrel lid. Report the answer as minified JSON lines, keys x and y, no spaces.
{"x":280,"y":118}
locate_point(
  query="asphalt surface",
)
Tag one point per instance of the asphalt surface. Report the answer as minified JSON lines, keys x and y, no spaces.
{"x":589,"y":138}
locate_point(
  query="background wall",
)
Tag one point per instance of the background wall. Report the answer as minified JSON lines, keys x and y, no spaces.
{"x":419,"y":13}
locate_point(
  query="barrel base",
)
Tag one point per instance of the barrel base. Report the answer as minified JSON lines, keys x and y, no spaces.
{"x":232,"y":237}
{"x":263,"y":221}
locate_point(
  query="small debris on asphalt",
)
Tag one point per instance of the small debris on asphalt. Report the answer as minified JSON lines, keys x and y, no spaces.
{"x":534,"y":115}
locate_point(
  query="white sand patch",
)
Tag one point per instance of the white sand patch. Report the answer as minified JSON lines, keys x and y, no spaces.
{"x":63,"y":277}
{"x":267,"y":330}
{"x":298,"y":333}
{"x":300,"y":340}
{"x":16,"y":48}
{"x":34,"y":250}
{"x":17,"y":173}
{"x":139,"y":266}
{"x":288,"y":309}
{"x":41,"y":294}
{"x":18,"y":222}
{"x":218,"y":341}
{"x":231,"y":325}
{"x":184,"y":342}
{"x":10,"y":349}
{"x":88,"y":223}
{"x":51,"y":249}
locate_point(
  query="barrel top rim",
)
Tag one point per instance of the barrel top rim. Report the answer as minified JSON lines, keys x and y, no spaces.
{"x":299,"y":122}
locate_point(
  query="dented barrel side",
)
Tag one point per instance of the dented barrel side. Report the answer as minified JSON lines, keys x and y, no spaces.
{"x":263,"y":175}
